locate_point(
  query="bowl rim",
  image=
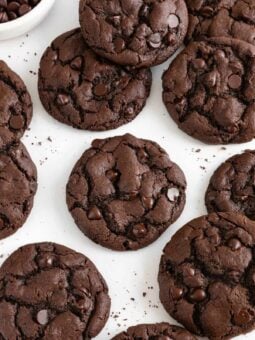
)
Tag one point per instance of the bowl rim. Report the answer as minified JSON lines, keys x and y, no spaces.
{"x":26,"y":18}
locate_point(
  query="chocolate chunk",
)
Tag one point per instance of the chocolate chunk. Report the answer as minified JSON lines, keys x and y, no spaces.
{"x":140,"y":35}
{"x":117,"y":192}
{"x":221,"y":306}
{"x":68,"y":299}
{"x":89,"y":92}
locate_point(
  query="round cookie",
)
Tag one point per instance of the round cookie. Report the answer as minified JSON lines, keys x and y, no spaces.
{"x":221,"y":18}
{"x":136,"y":33}
{"x":231,"y":187}
{"x":18,"y":183}
{"x":124,"y":192}
{"x":209,"y":91}
{"x":48,"y":291}
{"x":161,"y":331}
{"x":207,"y":275}
{"x":81,"y":89}
{"x":15,"y":106}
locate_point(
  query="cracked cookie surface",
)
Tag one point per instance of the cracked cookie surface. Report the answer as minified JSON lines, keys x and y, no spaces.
{"x":139,"y":33}
{"x":225,"y":18}
{"x":15,"y":106}
{"x":18,"y":183}
{"x":161,"y":331}
{"x":231,"y":187}
{"x":48,"y":291}
{"x":124,"y":192}
{"x":209,"y":91}
{"x":83,"y":90}
{"x":207,"y":275}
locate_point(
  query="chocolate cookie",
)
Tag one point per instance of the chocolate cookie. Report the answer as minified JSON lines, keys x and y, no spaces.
{"x":48,"y":291}
{"x":207,"y":275}
{"x":137,"y":33}
{"x":160,"y":331}
{"x":83,"y":90}
{"x":15,"y":106}
{"x":209,"y":91}
{"x":221,"y":18}
{"x":124,"y":192}
{"x":18,"y":183}
{"x":231,"y":187}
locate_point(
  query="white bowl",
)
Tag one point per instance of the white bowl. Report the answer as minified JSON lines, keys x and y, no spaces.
{"x":27,"y":22}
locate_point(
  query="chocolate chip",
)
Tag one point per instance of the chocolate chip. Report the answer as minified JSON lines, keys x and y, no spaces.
{"x":173,"y":21}
{"x":119,"y":44}
{"x":155,"y":40}
{"x":243,"y":317}
{"x":198,"y":63}
{"x":3,"y":17}
{"x":63,"y":99}
{"x":112,"y":175}
{"x":132,"y":194}
{"x":42,"y":317}
{"x":172,"y":194}
{"x":176,"y":293}
{"x":198,"y":295}
{"x":234,"y":244}
{"x":16,"y":122}
{"x":24,"y":9}
{"x":3,"y":3}
{"x":94,"y":214}
{"x":130,"y":110}
{"x":207,"y":11}
{"x":147,"y":202}
{"x":234,"y":81}
{"x":139,"y":230}
{"x":171,"y":38}
{"x":76,"y":63}
{"x":100,"y":90}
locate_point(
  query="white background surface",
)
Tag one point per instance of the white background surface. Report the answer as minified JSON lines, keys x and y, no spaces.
{"x":128,"y":274}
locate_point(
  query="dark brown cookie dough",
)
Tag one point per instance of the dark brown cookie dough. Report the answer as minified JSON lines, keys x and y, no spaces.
{"x":138,"y":33}
{"x":231,"y":187}
{"x":124,"y":192}
{"x":221,"y":18}
{"x":15,"y":106}
{"x":18,"y":183}
{"x":157,"y":331}
{"x":48,"y":291}
{"x":207,"y":275}
{"x":85,"y":91}
{"x":209,"y":91}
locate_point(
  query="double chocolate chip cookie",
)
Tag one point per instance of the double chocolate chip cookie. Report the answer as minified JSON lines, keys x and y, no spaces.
{"x":139,"y":33}
{"x":83,"y":90}
{"x":124,"y":192}
{"x":159,"y":331}
{"x":231,"y":187}
{"x":207,"y":275}
{"x":209,"y":91}
{"x":48,"y":291}
{"x":221,"y":18}
{"x":15,"y":106}
{"x":18,"y":183}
